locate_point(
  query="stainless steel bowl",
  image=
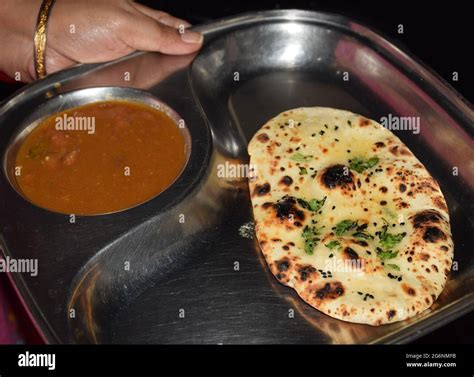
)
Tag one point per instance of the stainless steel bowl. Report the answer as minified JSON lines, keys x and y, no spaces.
{"x":75,"y":98}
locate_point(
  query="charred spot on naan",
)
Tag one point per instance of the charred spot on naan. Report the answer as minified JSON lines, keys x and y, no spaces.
{"x":288,"y":246}
{"x":350,"y":254}
{"x":439,"y":202}
{"x":329,"y":291}
{"x":307,"y":272}
{"x":286,"y":181}
{"x":286,"y":210}
{"x":427,"y":224}
{"x":424,"y":256}
{"x":400,"y":203}
{"x":271,"y":146}
{"x":397,"y":150}
{"x":361,"y":242}
{"x":364,"y":122}
{"x":433,"y":234}
{"x":283,"y":264}
{"x":408,"y":290}
{"x":338,"y":176}
{"x":426,"y":186}
{"x":263,"y":137}
{"x":261,"y":190}
{"x":391,"y":314}
{"x":283,"y":268}
{"x":427,"y":217}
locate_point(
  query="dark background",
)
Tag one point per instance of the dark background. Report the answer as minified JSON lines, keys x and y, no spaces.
{"x":439,"y":33}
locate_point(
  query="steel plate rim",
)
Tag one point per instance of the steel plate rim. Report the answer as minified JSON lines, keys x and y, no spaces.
{"x":456,"y":100}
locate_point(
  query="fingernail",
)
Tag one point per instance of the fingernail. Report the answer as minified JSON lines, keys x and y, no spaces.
{"x":191,"y":37}
{"x":183,"y":23}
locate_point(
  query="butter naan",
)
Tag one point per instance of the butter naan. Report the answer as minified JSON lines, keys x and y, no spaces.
{"x":348,"y":217}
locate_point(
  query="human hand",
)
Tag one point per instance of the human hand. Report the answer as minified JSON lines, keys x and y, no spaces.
{"x":86,"y":31}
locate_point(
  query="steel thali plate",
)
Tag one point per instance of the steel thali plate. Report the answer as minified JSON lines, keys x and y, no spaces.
{"x":194,"y":276}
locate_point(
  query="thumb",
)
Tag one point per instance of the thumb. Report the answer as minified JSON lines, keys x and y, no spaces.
{"x":149,"y":35}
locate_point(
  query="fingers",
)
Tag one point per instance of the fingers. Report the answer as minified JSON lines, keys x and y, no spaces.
{"x":163,"y":17}
{"x":147,"y":34}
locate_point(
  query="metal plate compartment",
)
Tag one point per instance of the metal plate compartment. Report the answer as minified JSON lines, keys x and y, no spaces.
{"x":183,"y":247}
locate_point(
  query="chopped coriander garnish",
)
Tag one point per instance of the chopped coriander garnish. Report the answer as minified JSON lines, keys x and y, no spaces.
{"x":313,"y":205}
{"x":303,"y":171}
{"x":345,"y":225}
{"x":386,"y":254}
{"x":389,"y":240}
{"x":394,"y":266}
{"x":298,"y":157}
{"x":359,"y":165}
{"x":310,"y":239}
{"x":333,"y":244}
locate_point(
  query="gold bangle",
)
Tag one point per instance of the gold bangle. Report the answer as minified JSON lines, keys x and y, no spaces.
{"x":40,"y":38}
